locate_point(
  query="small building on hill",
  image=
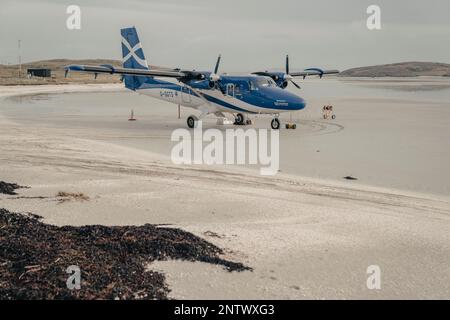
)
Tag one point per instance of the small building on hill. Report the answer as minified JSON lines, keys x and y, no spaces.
{"x":39,"y":72}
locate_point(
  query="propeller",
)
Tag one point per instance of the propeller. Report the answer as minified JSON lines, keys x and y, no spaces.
{"x":214,"y":76}
{"x":217,"y":64}
{"x":287,"y":64}
{"x":287,"y":76}
{"x":200,"y":78}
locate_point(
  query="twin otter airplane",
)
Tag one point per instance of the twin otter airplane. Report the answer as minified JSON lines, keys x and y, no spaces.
{"x":208,"y":92}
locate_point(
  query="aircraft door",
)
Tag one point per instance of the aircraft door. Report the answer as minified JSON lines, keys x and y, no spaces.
{"x":230,"y":89}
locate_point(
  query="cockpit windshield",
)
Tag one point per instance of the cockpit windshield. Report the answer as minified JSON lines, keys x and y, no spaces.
{"x":262,"y":82}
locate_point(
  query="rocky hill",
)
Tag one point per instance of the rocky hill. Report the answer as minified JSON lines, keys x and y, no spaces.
{"x":403,"y":69}
{"x":9,"y":74}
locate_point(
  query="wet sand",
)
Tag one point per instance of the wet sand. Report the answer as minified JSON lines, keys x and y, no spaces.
{"x":393,"y":138}
{"x":304,"y":237}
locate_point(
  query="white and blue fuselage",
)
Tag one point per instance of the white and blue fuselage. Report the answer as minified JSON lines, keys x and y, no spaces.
{"x":234,"y":94}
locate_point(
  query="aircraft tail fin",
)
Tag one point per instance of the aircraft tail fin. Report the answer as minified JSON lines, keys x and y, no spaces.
{"x":133,"y":57}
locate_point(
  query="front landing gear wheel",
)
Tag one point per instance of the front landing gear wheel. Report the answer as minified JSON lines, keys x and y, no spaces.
{"x":239,"y":119}
{"x":191,"y":120}
{"x":275,"y":124}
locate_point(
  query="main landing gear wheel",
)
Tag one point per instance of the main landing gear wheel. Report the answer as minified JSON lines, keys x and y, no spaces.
{"x":275,"y":124}
{"x":191,"y":120}
{"x":239,"y":119}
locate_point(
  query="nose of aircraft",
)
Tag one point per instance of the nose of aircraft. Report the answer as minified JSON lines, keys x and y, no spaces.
{"x":284,"y":99}
{"x":300,"y":103}
{"x":294,"y":102}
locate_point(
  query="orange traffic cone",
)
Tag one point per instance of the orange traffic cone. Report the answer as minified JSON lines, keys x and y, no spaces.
{"x":132,"y":118}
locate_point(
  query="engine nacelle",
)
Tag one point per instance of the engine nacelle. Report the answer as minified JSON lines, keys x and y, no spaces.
{"x":284,"y":84}
{"x":214,"y":77}
{"x":203,"y":85}
{"x":275,"y":77}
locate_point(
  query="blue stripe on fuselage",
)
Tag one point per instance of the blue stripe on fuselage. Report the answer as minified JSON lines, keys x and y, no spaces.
{"x":224,"y":103}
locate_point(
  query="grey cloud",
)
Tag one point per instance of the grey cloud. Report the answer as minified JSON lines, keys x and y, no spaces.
{"x":250,"y":34}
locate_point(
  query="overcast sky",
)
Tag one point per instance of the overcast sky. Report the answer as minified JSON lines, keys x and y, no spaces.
{"x":250,"y":34}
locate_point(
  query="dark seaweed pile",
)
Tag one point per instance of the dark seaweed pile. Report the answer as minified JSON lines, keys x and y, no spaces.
{"x":34,"y":257}
{"x":9,"y":188}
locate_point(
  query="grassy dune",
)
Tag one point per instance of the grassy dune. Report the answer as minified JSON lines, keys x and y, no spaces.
{"x":9,"y":75}
{"x":403,"y":69}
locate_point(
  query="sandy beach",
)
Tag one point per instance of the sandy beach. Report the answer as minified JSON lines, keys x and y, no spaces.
{"x":306,"y":232}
